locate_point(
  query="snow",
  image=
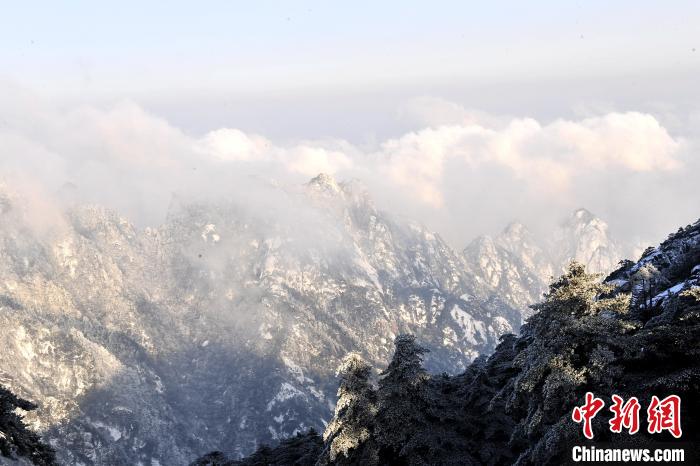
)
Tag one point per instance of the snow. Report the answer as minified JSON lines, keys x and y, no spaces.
{"x":24,"y":344}
{"x":502,"y":326}
{"x":295,"y":370}
{"x":646,"y":259}
{"x":666,"y":293}
{"x":122,"y":409}
{"x":209,"y":232}
{"x":113,"y":431}
{"x":66,"y":256}
{"x":265,"y":331}
{"x":317,"y":394}
{"x":469,"y":325}
{"x":365,"y":266}
{"x":449,"y":336}
{"x":286,"y":392}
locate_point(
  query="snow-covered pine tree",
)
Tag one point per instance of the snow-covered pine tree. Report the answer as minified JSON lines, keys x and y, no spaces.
{"x":404,"y":398}
{"x":349,"y":438}
{"x":566,"y":351}
{"x":15,"y":438}
{"x":693,"y":293}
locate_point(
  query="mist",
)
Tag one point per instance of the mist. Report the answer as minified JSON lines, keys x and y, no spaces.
{"x":462,"y":172}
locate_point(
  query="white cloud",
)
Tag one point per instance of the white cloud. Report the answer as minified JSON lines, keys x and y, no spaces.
{"x":310,"y":161}
{"x":546,"y":156}
{"x":457,"y":175}
{"x":306,"y":158}
{"x":234,"y":145}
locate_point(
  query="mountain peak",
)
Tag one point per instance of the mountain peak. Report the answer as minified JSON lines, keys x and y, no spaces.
{"x":584,"y":220}
{"x":515,"y":230}
{"x":324,"y":182}
{"x":582,"y":215}
{"x":585,"y":238}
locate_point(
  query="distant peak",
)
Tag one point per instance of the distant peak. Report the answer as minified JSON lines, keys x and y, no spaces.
{"x":583,"y":214}
{"x":580,"y":218}
{"x":479,"y":243}
{"x":514,"y":229}
{"x":324,"y":181}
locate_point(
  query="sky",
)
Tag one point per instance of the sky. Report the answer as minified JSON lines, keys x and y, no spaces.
{"x":462,"y":115}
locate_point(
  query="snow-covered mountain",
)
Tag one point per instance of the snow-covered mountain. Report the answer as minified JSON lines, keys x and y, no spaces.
{"x":221,"y":328}
{"x":583,"y":237}
{"x":519,"y":266}
{"x":514,"y":407}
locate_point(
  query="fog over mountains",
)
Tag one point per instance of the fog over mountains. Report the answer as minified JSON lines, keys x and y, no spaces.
{"x":221,"y":328}
{"x":520,"y":266}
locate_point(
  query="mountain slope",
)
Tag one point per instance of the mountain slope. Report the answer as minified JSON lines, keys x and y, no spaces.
{"x":220,"y":329}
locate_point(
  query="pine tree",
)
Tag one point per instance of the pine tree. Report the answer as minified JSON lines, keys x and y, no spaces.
{"x":349,"y":438}
{"x":15,"y":438}
{"x":646,"y":282}
{"x":403,"y":401}
{"x":567,"y":349}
